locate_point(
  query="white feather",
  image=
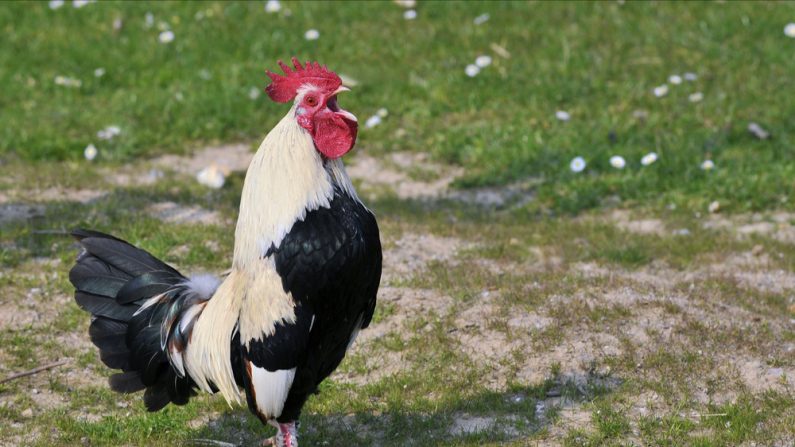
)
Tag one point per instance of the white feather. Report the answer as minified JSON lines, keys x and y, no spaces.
{"x":271,"y":388}
{"x":204,"y":285}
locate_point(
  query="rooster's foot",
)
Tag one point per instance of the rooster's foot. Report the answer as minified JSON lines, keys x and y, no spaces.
{"x":286,"y":436}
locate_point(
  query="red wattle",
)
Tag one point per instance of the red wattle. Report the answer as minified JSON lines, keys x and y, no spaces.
{"x":334,"y":135}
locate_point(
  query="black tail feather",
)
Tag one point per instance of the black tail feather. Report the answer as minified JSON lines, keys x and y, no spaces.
{"x":112,"y":280}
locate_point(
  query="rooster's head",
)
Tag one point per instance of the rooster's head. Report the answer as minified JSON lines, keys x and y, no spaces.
{"x":315,"y":90}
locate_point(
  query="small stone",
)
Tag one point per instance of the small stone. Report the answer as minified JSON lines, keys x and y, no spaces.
{"x":212,"y":177}
{"x":758,"y":250}
{"x":27,"y":413}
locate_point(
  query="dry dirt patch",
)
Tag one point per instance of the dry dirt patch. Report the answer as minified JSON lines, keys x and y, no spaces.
{"x":171,"y":212}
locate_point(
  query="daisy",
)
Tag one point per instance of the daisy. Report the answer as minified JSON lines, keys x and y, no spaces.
{"x":789,"y":30}
{"x":483,"y":61}
{"x":253,"y":93}
{"x":648,"y":159}
{"x":617,"y":162}
{"x":312,"y":34}
{"x":272,"y":6}
{"x":696,"y":97}
{"x":577,"y":164}
{"x":90,"y":152}
{"x":660,"y":91}
{"x":410,"y":14}
{"x":562,"y":115}
{"x":707,"y":165}
{"x":166,"y":36}
{"x":481,"y":19}
{"x":675,"y":79}
{"x":472,"y":70}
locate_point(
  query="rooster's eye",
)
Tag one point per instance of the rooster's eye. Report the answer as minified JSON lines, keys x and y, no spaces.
{"x":311,"y":101}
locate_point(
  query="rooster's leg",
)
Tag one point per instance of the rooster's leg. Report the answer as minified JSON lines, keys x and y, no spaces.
{"x":286,"y":435}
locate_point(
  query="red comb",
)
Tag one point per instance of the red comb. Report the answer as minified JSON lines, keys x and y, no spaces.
{"x":284,"y":88}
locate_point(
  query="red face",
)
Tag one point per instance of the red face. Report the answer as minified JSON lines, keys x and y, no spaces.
{"x":333,"y":129}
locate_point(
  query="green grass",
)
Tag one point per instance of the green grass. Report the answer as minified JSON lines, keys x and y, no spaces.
{"x":672,"y":347}
{"x":598,"y":61}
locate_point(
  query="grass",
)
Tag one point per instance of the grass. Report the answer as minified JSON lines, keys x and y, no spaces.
{"x":499,"y":125}
{"x":553,"y":322}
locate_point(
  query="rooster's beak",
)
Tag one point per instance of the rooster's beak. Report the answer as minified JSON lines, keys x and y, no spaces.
{"x":341,"y":89}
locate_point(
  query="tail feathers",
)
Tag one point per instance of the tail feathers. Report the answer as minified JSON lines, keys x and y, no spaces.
{"x":141,"y":308}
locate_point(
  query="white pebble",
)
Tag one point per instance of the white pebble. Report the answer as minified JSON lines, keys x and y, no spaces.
{"x":99,"y":72}
{"x":253,"y":93}
{"x":166,"y":36}
{"x":483,"y":61}
{"x":372,"y":122}
{"x":410,"y":14}
{"x":661,"y":91}
{"x":90,"y":152}
{"x":472,"y":70}
{"x":312,"y":34}
{"x":211,"y":176}
{"x":707,"y":165}
{"x":481,"y":19}
{"x":562,"y":115}
{"x":577,"y":164}
{"x":617,"y":162}
{"x":648,"y":159}
{"x":696,"y":97}
{"x":55,"y":4}
{"x":273,"y":6}
{"x":675,"y":79}
{"x":789,"y":30}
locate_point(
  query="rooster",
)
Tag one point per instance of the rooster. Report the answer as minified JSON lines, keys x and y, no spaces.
{"x":305,"y":273}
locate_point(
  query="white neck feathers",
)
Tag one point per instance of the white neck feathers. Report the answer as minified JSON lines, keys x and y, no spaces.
{"x":285,"y":180}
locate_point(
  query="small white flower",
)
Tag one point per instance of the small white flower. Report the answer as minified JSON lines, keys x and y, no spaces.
{"x":109,"y":132}
{"x":80,"y":3}
{"x":166,"y":36}
{"x":406,"y":3}
{"x":472,"y":70}
{"x":149,"y":20}
{"x":99,"y":72}
{"x":55,"y":4}
{"x":382,"y":112}
{"x":714,"y":207}
{"x":789,"y":30}
{"x":696,"y":97}
{"x":483,"y":61}
{"x":617,"y":162}
{"x":372,"y":122}
{"x":562,"y":115}
{"x":675,"y":79}
{"x":90,"y":152}
{"x":66,"y":81}
{"x":118,"y":23}
{"x":312,"y":34}
{"x":648,"y":159}
{"x":205,"y":74}
{"x":707,"y":165}
{"x":410,"y":14}
{"x":211,"y":176}
{"x":690,"y":76}
{"x":577,"y":164}
{"x":273,"y":6}
{"x":253,"y":93}
{"x":481,"y":19}
{"x":179,"y":96}
{"x":661,"y":90}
